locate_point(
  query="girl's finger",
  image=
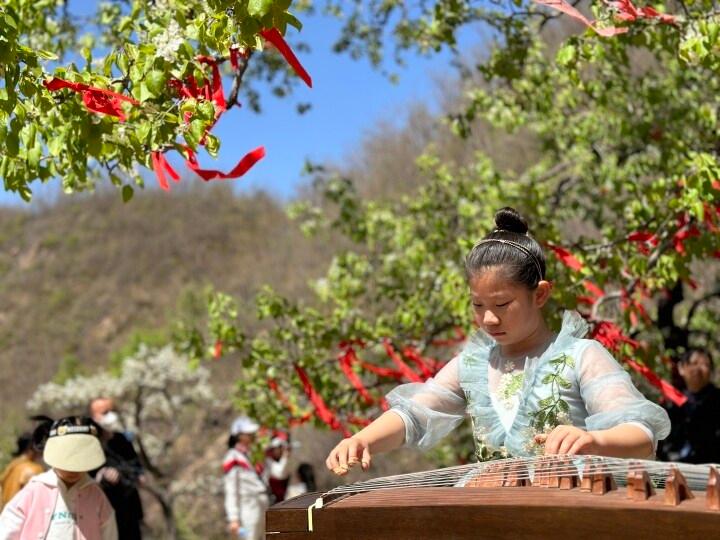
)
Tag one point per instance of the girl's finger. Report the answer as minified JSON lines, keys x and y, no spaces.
{"x":353,"y":458}
{"x":554,"y":440}
{"x":576,"y":447}
{"x":366,"y":459}
{"x":567,"y":443}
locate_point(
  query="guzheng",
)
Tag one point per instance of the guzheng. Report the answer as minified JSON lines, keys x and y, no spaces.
{"x":549,"y":497}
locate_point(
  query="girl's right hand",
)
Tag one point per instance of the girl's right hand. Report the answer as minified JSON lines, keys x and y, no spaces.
{"x":348,"y":453}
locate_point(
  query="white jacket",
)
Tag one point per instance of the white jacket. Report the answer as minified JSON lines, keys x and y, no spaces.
{"x":245,"y":490}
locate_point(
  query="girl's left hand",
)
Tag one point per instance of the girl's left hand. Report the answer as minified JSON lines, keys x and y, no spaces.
{"x":569,"y":440}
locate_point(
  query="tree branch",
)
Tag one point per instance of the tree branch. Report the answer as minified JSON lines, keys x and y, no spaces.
{"x":698,"y":303}
{"x":237,"y":80}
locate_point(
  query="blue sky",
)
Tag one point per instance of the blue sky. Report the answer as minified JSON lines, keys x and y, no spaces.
{"x":348,"y":98}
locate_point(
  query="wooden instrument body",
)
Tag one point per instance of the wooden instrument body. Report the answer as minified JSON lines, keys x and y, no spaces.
{"x":493,"y":513}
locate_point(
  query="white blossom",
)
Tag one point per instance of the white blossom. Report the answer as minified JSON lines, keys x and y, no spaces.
{"x":156,"y":388}
{"x":167,"y":43}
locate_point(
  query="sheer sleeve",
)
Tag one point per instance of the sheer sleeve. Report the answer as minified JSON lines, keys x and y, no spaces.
{"x":432,"y":409}
{"x":611,"y":398}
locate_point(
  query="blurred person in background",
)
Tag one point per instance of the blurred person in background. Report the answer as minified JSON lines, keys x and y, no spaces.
{"x":246,"y":493}
{"x":277,"y":466}
{"x":25,"y":465}
{"x":695,"y":434}
{"x":303,"y":481}
{"x":122,"y":473}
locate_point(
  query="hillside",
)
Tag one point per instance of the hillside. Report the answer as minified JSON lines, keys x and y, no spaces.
{"x":77,"y":279}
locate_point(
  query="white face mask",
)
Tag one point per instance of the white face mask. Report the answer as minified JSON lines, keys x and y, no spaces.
{"x":110,"y":421}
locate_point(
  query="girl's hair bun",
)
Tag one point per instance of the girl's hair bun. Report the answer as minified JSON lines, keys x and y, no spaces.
{"x":508,"y":219}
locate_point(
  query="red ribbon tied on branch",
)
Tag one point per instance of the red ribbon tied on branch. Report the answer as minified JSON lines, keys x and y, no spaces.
{"x":347,"y":358}
{"x":566,"y":258}
{"x":568,"y":9}
{"x":628,"y":12}
{"x":95,"y":99}
{"x":612,"y":336}
{"x":408,"y":373}
{"x":274,"y":36}
{"x":243,"y":166}
{"x":161,"y":166}
{"x":323,"y":412}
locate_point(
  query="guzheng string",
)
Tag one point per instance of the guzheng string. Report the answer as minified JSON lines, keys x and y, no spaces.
{"x":533,"y":469}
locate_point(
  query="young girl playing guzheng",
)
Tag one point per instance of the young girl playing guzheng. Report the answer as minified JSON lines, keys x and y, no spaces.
{"x":526,"y":389}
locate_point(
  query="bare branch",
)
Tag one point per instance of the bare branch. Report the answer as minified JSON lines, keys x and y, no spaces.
{"x":237,"y":80}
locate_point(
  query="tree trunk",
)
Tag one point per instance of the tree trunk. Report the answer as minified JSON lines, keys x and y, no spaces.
{"x":166,"y":504}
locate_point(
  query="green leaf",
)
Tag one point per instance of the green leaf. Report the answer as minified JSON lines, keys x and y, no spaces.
{"x":45,"y":55}
{"x":12,"y":144}
{"x":289,"y":18}
{"x":56,"y":145}
{"x":196,"y":130}
{"x":145,"y":93}
{"x":155,"y":82}
{"x":212,"y":144}
{"x":127,"y":193}
{"x":566,"y":54}
{"x":121,"y":60}
{"x":143,"y":131}
{"x":206,"y":111}
{"x":33,"y":157}
{"x":259,"y":8}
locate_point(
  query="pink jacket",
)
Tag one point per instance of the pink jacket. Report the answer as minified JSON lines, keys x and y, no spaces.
{"x":27,"y":515}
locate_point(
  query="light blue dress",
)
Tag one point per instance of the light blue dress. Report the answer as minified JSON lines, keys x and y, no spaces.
{"x":570,"y":380}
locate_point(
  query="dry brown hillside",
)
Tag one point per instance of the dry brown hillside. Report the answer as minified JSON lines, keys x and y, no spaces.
{"x":78,"y":278}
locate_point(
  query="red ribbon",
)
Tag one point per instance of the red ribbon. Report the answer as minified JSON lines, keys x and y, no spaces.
{"x":296,"y":421}
{"x":408,"y":373}
{"x":682,"y":235}
{"x":324,"y":414}
{"x":612,"y":336}
{"x":234,"y":56}
{"x":383,"y":372}
{"x":428,"y":366}
{"x":213,"y":90}
{"x":644,"y":240}
{"x":628,"y":12}
{"x":357,"y":421}
{"x":666,"y":389}
{"x":161,"y":166}
{"x":243,"y":166}
{"x":95,"y":99}
{"x":274,"y":36}
{"x":347,"y":359}
{"x":568,"y":9}
{"x":566,"y":258}
{"x":458,"y":339}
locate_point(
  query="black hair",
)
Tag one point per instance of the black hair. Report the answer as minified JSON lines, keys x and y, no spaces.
{"x":685,"y":357}
{"x":511,"y":247}
{"x":40,"y":433}
{"x":232,"y":441}
{"x":307,"y":475}
{"x":24,"y":443}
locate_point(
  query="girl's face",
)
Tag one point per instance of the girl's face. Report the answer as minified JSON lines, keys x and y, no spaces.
{"x":70,"y":478}
{"x":509,"y":312}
